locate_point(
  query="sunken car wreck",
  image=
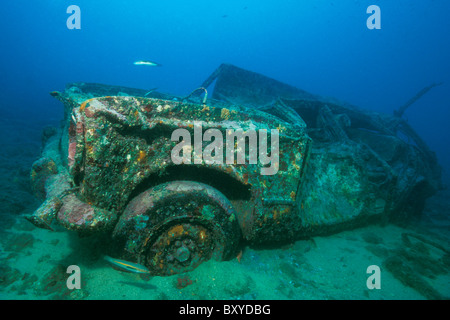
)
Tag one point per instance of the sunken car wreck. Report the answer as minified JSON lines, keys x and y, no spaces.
{"x":109,"y":168}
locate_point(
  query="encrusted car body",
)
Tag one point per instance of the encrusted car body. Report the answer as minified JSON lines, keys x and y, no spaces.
{"x":110,"y":168}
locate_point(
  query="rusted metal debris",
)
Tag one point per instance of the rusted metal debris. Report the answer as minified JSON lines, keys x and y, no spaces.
{"x":402,"y":109}
{"x":110,"y":169}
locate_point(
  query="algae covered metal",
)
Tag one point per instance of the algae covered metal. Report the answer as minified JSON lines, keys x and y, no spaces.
{"x":115,"y":166}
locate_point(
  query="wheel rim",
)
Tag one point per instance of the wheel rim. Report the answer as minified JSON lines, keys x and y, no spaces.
{"x":174,"y":227}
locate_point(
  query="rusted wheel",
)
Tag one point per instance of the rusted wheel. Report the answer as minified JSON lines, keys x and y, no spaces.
{"x":175,"y":226}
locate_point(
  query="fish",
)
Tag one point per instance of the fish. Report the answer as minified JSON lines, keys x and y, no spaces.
{"x":146,"y":63}
{"x":127,"y":265}
{"x":150,"y":91}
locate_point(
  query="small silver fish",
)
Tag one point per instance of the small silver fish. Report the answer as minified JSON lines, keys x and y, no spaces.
{"x":146,"y":63}
{"x":151,"y":90}
{"x":127,"y":266}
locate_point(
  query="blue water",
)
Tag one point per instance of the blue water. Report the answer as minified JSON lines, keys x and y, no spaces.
{"x":321,"y":46}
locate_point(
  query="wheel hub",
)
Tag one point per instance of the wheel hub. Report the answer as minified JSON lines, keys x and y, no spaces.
{"x":181,"y":248}
{"x":182,"y":254}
